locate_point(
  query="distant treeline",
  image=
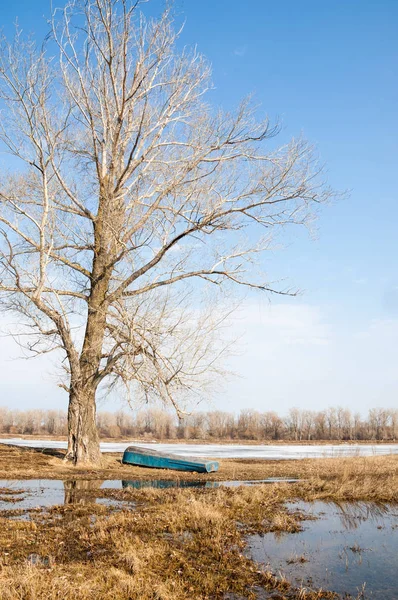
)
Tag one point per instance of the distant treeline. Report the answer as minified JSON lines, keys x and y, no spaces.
{"x":299,"y":425}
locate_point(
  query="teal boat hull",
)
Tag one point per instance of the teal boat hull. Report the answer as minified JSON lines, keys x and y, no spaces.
{"x":142,"y":457}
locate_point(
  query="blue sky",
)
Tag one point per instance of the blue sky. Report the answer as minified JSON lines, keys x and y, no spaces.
{"x":327,"y":70}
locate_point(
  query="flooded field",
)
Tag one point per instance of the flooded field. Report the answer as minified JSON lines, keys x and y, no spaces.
{"x":140,"y":529}
{"x":349,"y":548}
{"x":44,"y":493}
{"x":177,"y":529}
{"x":271,"y":452}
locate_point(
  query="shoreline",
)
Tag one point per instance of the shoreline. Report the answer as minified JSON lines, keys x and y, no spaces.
{"x":206,"y":441}
{"x":36,"y":463}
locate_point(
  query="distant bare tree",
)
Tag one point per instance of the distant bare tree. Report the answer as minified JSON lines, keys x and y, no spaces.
{"x":248,"y":425}
{"x":3,"y":419}
{"x":320,"y":425}
{"x":394,"y":423}
{"x":293,"y":422}
{"x":331,"y":421}
{"x":381,"y":424}
{"x":308,"y":422}
{"x":378,"y":421}
{"x":357,"y":425}
{"x":276,"y":424}
{"x":220,"y":424}
{"x":124,"y":186}
{"x":197,"y":425}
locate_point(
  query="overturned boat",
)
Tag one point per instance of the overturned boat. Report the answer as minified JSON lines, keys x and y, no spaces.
{"x":144,"y":457}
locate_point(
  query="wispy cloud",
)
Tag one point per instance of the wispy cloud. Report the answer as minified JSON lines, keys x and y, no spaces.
{"x":299,"y":355}
{"x":240,"y":50}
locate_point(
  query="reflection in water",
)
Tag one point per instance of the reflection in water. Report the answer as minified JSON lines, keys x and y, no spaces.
{"x":45,"y":493}
{"x":346,"y":546}
{"x":139,"y":484}
{"x":36,"y":493}
{"x":351,"y":514}
{"x":162,"y":484}
{"x":81,"y":491}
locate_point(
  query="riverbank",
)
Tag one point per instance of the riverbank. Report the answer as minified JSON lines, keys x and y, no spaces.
{"x":225,"y":451}
{"x":169,"y":544}
{"x":373,"y":477}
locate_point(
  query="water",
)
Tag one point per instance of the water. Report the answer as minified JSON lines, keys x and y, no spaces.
{"x":139,"y":484}
{"x":43,"y":493}
{"x":271,"y":452}
{"x":348,"y":548}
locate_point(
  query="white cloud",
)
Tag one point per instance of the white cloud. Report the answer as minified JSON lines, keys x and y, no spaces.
{"x":293,"y":355}
{"x":288,"y":354}
{"x":28,"y":383}
{"x":286,"y":324}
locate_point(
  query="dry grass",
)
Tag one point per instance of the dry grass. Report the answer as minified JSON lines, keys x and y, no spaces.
{"x":174,"y":544}
{"x":370,"y":478}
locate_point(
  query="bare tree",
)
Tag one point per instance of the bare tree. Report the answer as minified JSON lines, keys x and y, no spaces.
{"x":220,"y":424}
{"x":294,"y":422}
{"x":125,"y":185}
{"x":320,"y":425}
{"x":394,"y":423}
{"x":378,"y":421}
{"x":331,"y":421}
{"x":308,"y":421}
{"x":151,"y":422}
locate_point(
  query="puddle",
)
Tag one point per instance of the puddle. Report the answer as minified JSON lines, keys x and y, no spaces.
{"x":270,"y":480}
{"x":42,"y":561}
{"x":349,"y":548}
{"x":139,"y":484}
{"x":43,"y":493}
{"x":163,"y":484}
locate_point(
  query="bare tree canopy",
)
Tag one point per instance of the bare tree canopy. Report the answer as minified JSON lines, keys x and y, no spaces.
{"x":125,"y":187}
{"x":334,"y":423}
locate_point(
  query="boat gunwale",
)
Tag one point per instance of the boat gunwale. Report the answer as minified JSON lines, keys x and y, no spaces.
{"x":158,"y":453}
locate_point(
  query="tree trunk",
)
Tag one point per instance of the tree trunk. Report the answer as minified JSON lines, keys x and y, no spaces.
{"x":85,"y":441}
{"x":83,"y":438}
{"x":73,"y":416}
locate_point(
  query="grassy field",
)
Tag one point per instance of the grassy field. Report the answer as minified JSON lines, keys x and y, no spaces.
{"x":176,"y":544}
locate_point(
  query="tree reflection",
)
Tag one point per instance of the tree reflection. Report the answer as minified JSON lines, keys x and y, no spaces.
{"x":353,"y":513}
{"x":81,"y":491}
